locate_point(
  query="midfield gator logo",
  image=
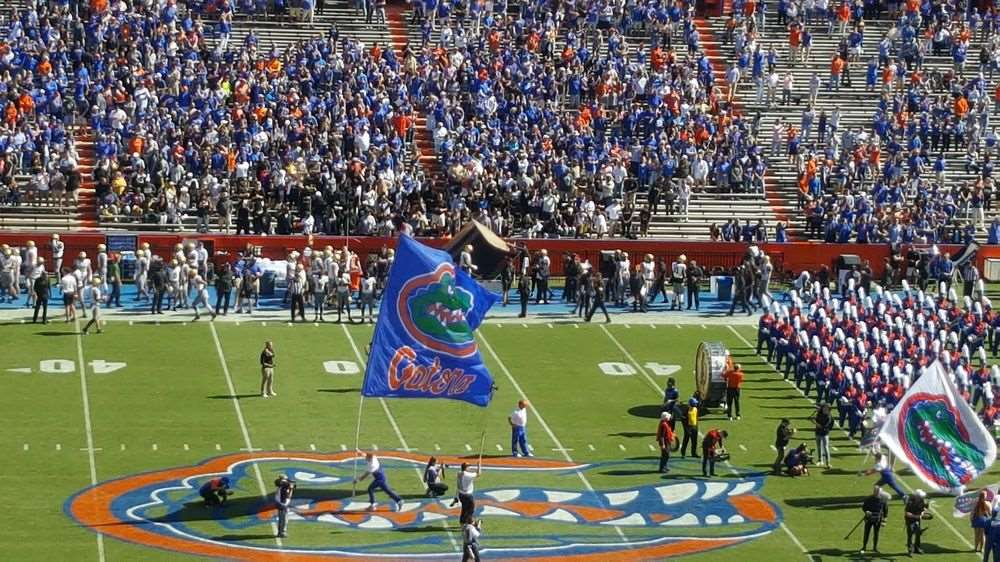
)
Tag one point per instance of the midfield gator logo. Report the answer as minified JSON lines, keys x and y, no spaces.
{"x":433,"y":309}
{"x":654,"y":521}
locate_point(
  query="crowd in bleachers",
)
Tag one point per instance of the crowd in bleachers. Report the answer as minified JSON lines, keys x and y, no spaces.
{"x":546,"y":122}
{"x":893,"y":180}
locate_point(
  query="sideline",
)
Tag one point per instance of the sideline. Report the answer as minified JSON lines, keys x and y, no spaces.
{"x":541,"y":421}
{"x":947,"y":523}
{"x":89,"y":427}
{"x":243,"y":424}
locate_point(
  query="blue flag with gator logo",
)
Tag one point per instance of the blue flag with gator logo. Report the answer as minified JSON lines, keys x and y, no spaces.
{"x":425,"y":342}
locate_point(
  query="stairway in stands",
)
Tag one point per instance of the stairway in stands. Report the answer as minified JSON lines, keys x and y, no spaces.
{"x":857,"y":106}
{"x":83,"y":139}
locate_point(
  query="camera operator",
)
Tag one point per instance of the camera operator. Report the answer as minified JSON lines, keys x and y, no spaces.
{"x":215,"y":491}
{"x":876,"y":508}
{"x":782,"y":435}
{"x":797,"y":461}
{"x":283,"y":499}
{"x":471,"y":531}
{"x":916,"y":510}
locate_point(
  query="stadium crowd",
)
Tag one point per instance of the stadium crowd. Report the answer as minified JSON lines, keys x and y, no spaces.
{"x":531,"y":137}
{"x":891,"y":181}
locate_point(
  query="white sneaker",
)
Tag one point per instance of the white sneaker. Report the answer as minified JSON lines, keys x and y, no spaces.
{"x":371,"y":507}
{"x":399,"y":505}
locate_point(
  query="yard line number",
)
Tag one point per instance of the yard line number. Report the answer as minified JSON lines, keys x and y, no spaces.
{"x":341,"y":367}
{"x":615,"y":369}
{"x":68,"y":366}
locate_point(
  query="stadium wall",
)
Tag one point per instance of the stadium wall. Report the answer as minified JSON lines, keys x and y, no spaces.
{"x":789,"y":257}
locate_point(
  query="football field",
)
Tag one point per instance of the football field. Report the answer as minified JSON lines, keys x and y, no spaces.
{"x":108,"y":438}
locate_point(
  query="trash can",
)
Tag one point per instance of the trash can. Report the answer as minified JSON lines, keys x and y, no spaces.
{"x":724,"y":288}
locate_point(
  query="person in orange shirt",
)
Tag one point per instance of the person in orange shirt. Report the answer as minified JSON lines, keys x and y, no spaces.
{"x":836,"y":69}
{"x":794,"y":41}
{"x":734,"y":382}
{"x":961,"y":107}
{"x":843,"y":17}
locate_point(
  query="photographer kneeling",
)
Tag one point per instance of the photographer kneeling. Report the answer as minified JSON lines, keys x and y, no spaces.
{"x":215,"y":491}
{"x":797,"y":461}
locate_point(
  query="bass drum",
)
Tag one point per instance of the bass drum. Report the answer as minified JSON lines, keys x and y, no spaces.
{"x":711,"y":362}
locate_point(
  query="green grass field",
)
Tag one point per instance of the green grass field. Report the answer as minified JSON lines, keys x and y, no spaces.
{"x":154,"y":397}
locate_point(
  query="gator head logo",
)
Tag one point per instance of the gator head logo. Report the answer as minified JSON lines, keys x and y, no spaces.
{"x":560,"y":523}
{"x":937,"y":443}
{"x":433,"y":309}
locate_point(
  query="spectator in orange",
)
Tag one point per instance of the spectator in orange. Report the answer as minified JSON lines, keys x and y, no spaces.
{"x":836,"y":69}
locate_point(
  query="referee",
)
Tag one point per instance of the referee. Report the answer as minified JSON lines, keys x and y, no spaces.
{"x":267,"y":371}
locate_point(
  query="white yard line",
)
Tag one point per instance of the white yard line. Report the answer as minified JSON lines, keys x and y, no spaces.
{"x":541,"y":420}
{"x":900,"y":479}
{"x":632,"y":360}
{"x":89,"y":427}
{"x":395,"y":427}
{"x":242,"y":420}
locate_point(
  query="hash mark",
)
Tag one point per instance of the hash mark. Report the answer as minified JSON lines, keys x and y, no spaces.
{"x":743,"y":447}
{"x":123,"y":447}
{"x":155,"y":447}
{"x":704,"y":327}
{"x":468,"y":447}
{"x":651,"y":447}
{"x":374,"y":447}
{"x":653,"y":326}
{"x":591,"y":447}
{"x":524,"y":325}
{"x":186,"y":448}
{"x":499,"y":447}
{"x":130,"y":322}
{"x":281,"y":446}
{"x":437,"y":447}
{"x":218,"y":447}
{"x":678,"y":326}
{"x":774,"y":449}
{"x":620,"y":446}
{"x":58,"y":447}
{"x":499,"y":324}
{"x":627,"y":326}
{"x":549,"y":325}
{"x":577,"y":326}
{"x":312,"y":446}
{"x":343,"y":447}
{"x":263,"y":323}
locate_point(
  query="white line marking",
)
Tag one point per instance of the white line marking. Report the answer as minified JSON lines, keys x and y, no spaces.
{"x":499,"y":447}
{"x":155,"y":448}
{"x":186,"y":447}
{"x":524,"y":325}
{"x":632,"y":360}
{"x":620,"y":446}
{"x":130,"y":322}
{"x":550,"y":325}
{"x":58,"y":447}
{"x":26,"y":447}
{"x":591,"y":447}
{"x":499,"y":324}
{"x":577,"y":326}
{"x":281,"y":446}
{"x":437,"y":447}
{"x":651,"y":448}
{"x":907,"y":486}
{"x":122,"y":446}
{"x":468,"y":447}
{"x":395,"y":428}
{"x":541,"y":420}
{"x":312,"y":446}
{"x":773,"y":448}
{"x":743,"y":447}
{"x":82,"y":368}
{"x":678,"y":326}
{"x":239,"y":417}
{"x":263,"y":323}
{"x":255,"y":449}
{"x":343,"y":447}
{"x":554,"y":449}
{"x":627,"y":326}
{"x":653,"y":326}
{"x":218,"y":447}
{"x":834,"y":448}
{"x":95,"y":449}
{"x":704,"y":327}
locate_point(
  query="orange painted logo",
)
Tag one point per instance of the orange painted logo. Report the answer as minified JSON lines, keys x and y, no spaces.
{"x":163,"y":509}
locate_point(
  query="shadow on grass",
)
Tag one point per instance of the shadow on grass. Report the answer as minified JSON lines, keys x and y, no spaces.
{"x":646,"y":411}
{"x":338,"y":390}
{"x":653,"y":470}
{"x":828,"y":504}
{"x":56,"y":334}
{"x":231,"y":396}
{"x":632,"y":434}
{"x":851,"y":554}
{"x":238,"y":538}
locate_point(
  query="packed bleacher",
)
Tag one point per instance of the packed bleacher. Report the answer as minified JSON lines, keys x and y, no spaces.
{"x":544,"y":118}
